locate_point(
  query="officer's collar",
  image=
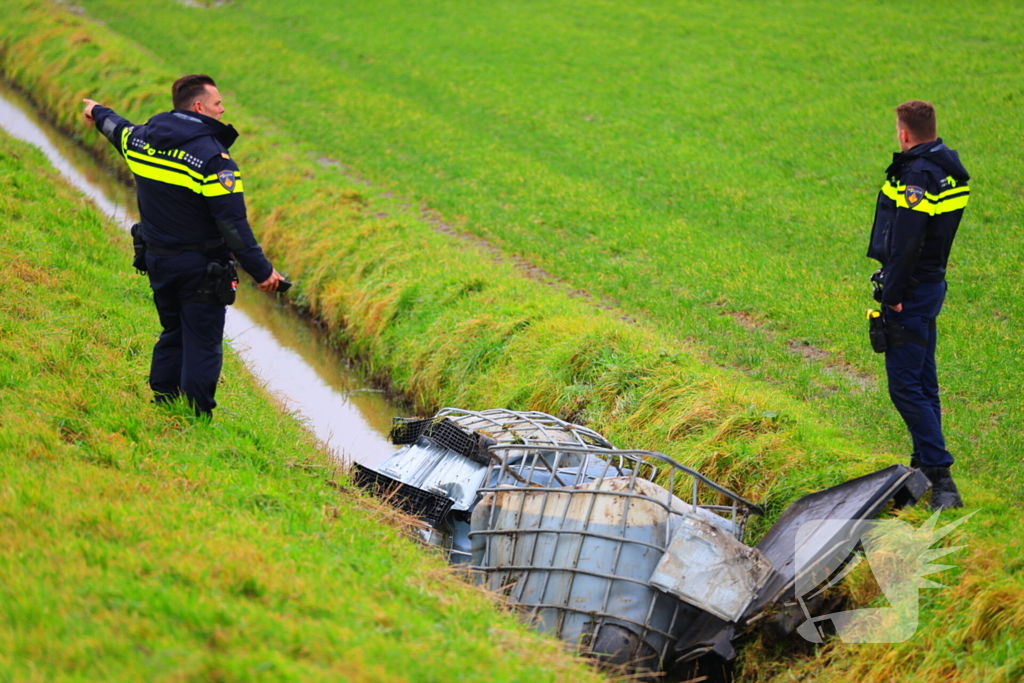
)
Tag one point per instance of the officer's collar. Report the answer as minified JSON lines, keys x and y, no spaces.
{"x":925,"y":147}
{"x":224,"y":132}
{"x":900,"y":159}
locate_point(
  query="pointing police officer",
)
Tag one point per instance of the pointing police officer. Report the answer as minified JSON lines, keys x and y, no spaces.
{"x":192,"y":209}
{"x":916,"y":219}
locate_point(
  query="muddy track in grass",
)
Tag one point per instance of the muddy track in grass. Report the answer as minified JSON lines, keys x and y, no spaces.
{"x":436,"y":221}
{"x":831,"y":363}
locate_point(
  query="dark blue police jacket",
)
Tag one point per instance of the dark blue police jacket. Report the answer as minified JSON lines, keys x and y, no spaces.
{"x":189,"y":188}
{"x":916,"y":218}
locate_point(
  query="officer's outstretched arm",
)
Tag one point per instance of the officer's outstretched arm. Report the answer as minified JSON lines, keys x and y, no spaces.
{"x":108,"y":123}
{"x":87,"y":110}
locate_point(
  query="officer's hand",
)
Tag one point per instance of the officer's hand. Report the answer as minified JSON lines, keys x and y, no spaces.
{"x":270,"y":284}
{"x":87,"y":112}
{"x":898,"y":307}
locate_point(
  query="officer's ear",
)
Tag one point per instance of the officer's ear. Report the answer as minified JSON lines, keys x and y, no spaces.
{"x":902,"y":136}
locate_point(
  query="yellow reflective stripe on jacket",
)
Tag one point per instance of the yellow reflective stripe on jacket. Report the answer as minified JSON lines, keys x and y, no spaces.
{"x":212,"y":186}
{"x":173,"y":173}
{"x":125,"y":132}
{"x":170,"y":176}
{"x":949,"y":200}
{"x":164,"y":163}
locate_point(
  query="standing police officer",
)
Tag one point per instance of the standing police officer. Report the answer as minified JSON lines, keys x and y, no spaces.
{"x":193,"y":214}
{"x":916,"y":219}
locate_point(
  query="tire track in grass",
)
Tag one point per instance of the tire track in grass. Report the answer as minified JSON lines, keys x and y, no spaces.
{"x":830,"y":362}
{"x":433,"y":218}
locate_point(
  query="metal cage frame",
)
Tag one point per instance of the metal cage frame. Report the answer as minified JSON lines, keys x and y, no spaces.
{"x":514,"y":467}
{"x":499,"y":422}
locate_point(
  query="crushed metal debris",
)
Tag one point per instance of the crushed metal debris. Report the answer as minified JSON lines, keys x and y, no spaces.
{"x":635,"y":558}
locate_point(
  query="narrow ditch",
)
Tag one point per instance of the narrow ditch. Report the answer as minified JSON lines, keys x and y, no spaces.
{"x":290,"y":354}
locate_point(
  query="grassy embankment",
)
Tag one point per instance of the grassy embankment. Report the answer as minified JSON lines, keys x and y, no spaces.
{"x":389,"y":283}
{"x":711,"y":167}
{"x":139,"y":544}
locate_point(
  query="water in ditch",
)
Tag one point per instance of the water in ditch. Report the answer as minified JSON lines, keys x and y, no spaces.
{"x":280,"y":347}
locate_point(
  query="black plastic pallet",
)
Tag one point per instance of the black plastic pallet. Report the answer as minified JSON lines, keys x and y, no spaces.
{"x":445,"y":433}
{"x":430,"y":507}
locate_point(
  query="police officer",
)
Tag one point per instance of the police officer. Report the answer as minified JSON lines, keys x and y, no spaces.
{"x":916,"y":219}
{"x":192,"y":210}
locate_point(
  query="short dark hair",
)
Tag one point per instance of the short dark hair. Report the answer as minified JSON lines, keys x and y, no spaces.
{"x":919,"y":118}
{"x":188,"y":89}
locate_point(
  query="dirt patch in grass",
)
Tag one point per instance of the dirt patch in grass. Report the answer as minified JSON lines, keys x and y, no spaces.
{"x":830,"y":362}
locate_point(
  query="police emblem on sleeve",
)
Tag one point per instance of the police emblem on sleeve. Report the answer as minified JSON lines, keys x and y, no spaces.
{"x":227,"y":179}
{"x":914,"y":195}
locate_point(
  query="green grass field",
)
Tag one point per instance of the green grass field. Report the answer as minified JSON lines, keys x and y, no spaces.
{"x":699,"y":163}
{"x":139,"y":544}
{"x":711,"y":169}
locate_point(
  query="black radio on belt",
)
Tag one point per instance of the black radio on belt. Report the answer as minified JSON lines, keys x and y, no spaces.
{"x":222,"y":279}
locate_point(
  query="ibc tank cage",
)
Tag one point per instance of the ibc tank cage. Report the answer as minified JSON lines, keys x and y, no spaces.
{"x":573,"y":534}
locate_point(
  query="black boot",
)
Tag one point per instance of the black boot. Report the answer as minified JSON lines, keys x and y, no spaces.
{"x":915,"y":463}
{"x":944,"y":493}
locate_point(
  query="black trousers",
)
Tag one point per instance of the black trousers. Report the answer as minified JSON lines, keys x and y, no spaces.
{"x":913,"y":379}
{"x":187,"y":358}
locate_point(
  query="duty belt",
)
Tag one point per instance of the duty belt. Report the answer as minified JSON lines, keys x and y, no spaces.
{"x":176,"y":249}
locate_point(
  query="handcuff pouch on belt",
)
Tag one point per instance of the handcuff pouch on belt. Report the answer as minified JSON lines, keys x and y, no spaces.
{"x":877,"y":284}
{"x":139,"y":260}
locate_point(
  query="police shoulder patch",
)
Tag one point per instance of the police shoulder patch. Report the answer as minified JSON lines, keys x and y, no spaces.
{"x":914,"y":195}
{"x":227,"y":179}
